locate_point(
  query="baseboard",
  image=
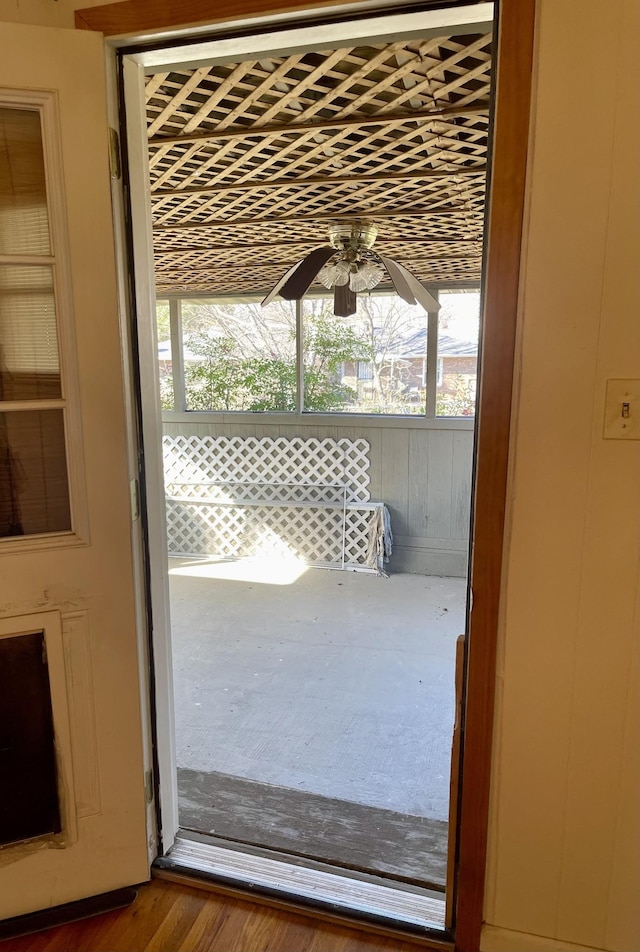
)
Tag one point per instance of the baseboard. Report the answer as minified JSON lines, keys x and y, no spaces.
{"x":494,"y":939}
{"x":428,"y":561}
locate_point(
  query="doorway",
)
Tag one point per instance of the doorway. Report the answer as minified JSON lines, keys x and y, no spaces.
{"x":355,"y":672}
{"x":456,"y":191}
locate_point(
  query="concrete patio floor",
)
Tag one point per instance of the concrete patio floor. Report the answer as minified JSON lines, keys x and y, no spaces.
{"x":335,"y":683}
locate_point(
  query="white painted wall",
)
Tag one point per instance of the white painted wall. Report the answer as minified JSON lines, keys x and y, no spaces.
{"x":44,"y":12}
{"x":564,"y":856}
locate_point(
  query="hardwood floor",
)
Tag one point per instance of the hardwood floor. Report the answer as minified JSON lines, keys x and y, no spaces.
{"x":171,"y":917}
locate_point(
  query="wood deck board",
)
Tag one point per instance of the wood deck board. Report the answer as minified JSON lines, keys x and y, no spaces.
{"x":335,"y":831}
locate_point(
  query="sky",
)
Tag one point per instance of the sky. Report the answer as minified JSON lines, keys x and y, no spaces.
{"x":463,"y":314}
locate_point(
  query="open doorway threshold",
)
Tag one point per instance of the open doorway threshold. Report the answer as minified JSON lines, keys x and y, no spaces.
{"x":341,"y":833}
{"x":340,"y":894}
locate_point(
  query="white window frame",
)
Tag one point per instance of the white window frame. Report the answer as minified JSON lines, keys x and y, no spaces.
{"x":432,"y":380}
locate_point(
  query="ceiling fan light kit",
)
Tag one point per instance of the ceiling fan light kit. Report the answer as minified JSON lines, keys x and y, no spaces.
{"x":348,"y":265}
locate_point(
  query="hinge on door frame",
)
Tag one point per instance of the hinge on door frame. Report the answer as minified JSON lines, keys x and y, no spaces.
{"x":134,"y":495}
{"x":115,"y":165}
{"x":148,"y":786}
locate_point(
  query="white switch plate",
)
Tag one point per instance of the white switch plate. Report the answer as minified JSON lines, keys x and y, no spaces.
{"x":622,"y":410}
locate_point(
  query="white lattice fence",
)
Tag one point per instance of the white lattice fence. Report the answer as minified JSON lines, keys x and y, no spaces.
{"x":292,"y":467}
{"x":234,"y":497}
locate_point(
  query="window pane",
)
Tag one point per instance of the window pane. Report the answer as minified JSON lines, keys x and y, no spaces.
{"x":239,"y":356}
{"x":34,"y":492}
{"x":29,"y":364}
{"x":458,"y":329}
{"x":165,"y":370}
{"x":372,"y":362}
{"x":24,"y":223}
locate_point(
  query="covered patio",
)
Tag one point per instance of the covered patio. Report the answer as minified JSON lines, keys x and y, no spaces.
{"x":302,"y":694}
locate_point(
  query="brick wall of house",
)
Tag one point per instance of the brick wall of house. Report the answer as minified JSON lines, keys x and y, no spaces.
{"x":454,"y":368}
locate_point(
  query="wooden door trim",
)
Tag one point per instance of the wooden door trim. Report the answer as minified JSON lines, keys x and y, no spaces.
{"x":149,"y":16}
{"x":501,"y":285}
{"x":503,"y":240}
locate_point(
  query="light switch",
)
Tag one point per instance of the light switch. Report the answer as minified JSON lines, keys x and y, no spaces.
{"x":622,"y":410}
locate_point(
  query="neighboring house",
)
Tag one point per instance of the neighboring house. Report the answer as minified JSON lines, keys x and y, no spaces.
{"x":457,"y":361}
{"x":406,"y":365}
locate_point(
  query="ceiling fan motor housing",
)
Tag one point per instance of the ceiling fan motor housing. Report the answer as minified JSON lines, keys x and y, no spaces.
{"x":354,"y":236}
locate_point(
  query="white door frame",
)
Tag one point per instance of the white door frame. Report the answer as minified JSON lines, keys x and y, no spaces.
{"x":130,"y":347}
{"x":138,"y":328}
{"x":380,"y":28}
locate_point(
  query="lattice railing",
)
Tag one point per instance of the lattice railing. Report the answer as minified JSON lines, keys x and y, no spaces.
{"x":233,"y":497}
{"x":262,"y":153}
{"x":268,"y":462}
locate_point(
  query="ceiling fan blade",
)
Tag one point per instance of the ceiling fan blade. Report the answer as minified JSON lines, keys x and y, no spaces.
{"x":345,"y":301}
{"x":275,"y":290}
{"x":420,"y":293}
{"x":297,"y":285}
{"x":408,"y":286}
{"x":399,"y":281}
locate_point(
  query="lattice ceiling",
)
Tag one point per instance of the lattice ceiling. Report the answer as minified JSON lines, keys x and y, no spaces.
{"x":251,"y":161}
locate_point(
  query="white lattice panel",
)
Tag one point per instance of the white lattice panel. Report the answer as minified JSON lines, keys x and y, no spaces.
{"x":236,"y":497}
{"x":356,"y":535}
{"x":312,"y":534}
{"x":280,"y":469}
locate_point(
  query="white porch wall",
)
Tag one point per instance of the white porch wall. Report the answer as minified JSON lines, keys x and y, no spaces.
{"x":422,"y":474}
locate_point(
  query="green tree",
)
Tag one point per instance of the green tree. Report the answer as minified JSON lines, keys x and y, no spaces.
{"x":232,"y":373}
{"x":270,"y":383}
{"x":218,"y":380}
{"x":163,"y":331}
{"x":162,"y":320}
{"x":328,"y":343}
{"x":461,"y":402}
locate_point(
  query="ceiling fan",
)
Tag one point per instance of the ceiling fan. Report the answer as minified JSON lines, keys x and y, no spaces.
{"x":349,"y":265}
